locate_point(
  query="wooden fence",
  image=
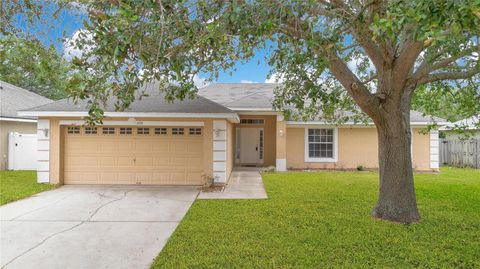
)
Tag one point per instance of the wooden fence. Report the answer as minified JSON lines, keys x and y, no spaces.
{"x":460,"y":153}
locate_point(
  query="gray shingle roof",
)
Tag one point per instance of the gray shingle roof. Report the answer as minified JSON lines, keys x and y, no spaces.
{"x":244,"y":96}
{"x":13,"y":99}
{"x":230,"y":94}
{"x":155,"y":102}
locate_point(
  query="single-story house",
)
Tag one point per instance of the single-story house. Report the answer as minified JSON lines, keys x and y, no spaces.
{"x":470,"y":129}
{"x":184,"y":142}
{"x":13,"y":99}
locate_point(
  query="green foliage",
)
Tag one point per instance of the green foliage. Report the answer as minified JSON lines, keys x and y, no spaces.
{"x":16,"y":185}
{"x":321,"y":220}
{"x":27,"y":63}
{"x":135,"y":42}
{"x":450,"y":103}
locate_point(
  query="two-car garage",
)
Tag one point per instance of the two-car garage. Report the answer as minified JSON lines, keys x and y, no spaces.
{"x":153,"y":142}
{"x":152,"y":155}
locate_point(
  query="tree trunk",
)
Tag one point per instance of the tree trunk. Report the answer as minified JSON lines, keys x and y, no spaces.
{"x":396,"y":200}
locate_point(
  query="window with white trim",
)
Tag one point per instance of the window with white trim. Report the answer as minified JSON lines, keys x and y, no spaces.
{"x":252,"y":121}
{"x":195,"y":131}
{"x":320,"y":144}
{"x":125,"y":131}
{"x":90,"y":130}
{"x":108,"y":130}
{"x":161,"y":131}
{"x":143,"y":131}
{"x":73,"y":130}
{"x":178,"y":131}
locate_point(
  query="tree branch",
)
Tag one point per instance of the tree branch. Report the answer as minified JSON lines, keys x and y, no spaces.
{"x":408,"y":54}
{"x":357,"y":90}
{"x":449,"y":76}
{"x":425,"y":69}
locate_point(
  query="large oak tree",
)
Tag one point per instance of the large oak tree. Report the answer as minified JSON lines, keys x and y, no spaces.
{"x":345,"y":59}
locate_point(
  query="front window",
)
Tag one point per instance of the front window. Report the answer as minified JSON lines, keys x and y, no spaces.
{"x":320,"y":144}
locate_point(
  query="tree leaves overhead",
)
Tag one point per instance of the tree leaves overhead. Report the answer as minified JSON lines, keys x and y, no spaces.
{"x":26,"y":63}
{"x":135,"y":42}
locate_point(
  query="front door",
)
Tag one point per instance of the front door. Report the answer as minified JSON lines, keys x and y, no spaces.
{"x":250,"y":145}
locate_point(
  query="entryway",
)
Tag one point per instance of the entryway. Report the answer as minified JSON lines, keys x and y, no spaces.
{"x":250,"y":146}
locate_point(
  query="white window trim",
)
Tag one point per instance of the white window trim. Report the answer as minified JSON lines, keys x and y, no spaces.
{"x":308,"y":159}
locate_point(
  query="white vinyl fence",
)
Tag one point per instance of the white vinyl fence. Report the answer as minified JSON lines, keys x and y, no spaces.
{"x":460,"y":153}
{"x":22,"y":151}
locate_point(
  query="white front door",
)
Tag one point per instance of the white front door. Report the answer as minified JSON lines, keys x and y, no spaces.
{"x":250,"y":145}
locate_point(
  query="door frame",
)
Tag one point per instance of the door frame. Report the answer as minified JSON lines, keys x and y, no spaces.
{"x":237,"y":146}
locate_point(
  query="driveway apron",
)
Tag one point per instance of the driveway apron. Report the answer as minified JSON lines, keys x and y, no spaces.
{"x":91,"y":226}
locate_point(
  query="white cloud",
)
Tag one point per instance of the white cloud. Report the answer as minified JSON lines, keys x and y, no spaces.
{"x":199,"y":81}
{"x":275,"y":78}
{"x":247,"y":81}
{"x":70,"y":48}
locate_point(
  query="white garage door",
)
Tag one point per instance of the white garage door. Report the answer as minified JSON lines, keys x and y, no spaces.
{"x":133,"y":155}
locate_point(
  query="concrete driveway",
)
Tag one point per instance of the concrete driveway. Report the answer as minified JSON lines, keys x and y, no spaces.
{"x":91,"y":226}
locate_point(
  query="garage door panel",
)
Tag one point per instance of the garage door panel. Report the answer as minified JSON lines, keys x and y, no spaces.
{"x":82,"y":146}
{"x":178,"y":147}
{"x":178,"y":161}
{"x":107,"y":161}
{"x":161,"y":161}
{"x":163,"y":146}
{"x":126,"y":178}
{"x":125,"y":145}
{"x":110,"y":177}
{"x":192,"y":178}
{"x":195,"y":148}
{"x":194,"y":163}
{"x":81,"y":161}
{"x":178,"y":177}
{"x":144,"y":161}
{"x":143,"y":146}
{"x":133,"y":159}
{"x":108,"y":146}
{"x":125,"y":161}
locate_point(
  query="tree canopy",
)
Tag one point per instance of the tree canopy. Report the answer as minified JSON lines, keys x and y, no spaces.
{"x":311,"y":44}
{"x":27,"y":63}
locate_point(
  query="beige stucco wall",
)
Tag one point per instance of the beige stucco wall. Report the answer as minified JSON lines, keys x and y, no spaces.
{"x":269,"y":128}
{"x":56,"y":143}
{"x":356,"y":146}
{"x":12,"y":126}
{"x":420,"y":150}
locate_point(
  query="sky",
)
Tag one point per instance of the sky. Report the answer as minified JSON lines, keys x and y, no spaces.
{"x":69,"y":22}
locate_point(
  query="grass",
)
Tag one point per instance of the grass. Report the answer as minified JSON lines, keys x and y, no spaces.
{"x":16,"y":185}
{"x":322,"y":220}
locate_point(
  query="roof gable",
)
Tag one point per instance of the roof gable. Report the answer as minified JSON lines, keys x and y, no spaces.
{"x":14,"y":98}
{"x":153,"y":102}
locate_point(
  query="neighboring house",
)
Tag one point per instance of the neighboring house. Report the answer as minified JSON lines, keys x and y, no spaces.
{"x":12,"y":99}
{"x":470,"y":128}
{"x":181,"y":143}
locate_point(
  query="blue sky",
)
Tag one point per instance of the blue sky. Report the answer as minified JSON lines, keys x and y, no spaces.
{"x":256,"y":70}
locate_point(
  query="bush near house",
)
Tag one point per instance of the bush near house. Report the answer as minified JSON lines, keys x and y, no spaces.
{"x":317,"y":220}
{"x":16,"y":185}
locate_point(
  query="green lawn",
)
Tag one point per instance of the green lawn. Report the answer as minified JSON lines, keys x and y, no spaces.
{"x":322,"y":220}
{"x":16,"y":185}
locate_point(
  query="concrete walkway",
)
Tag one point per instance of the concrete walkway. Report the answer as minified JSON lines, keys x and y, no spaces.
{"x":91,"y":226}
{"x":244,"y":183}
